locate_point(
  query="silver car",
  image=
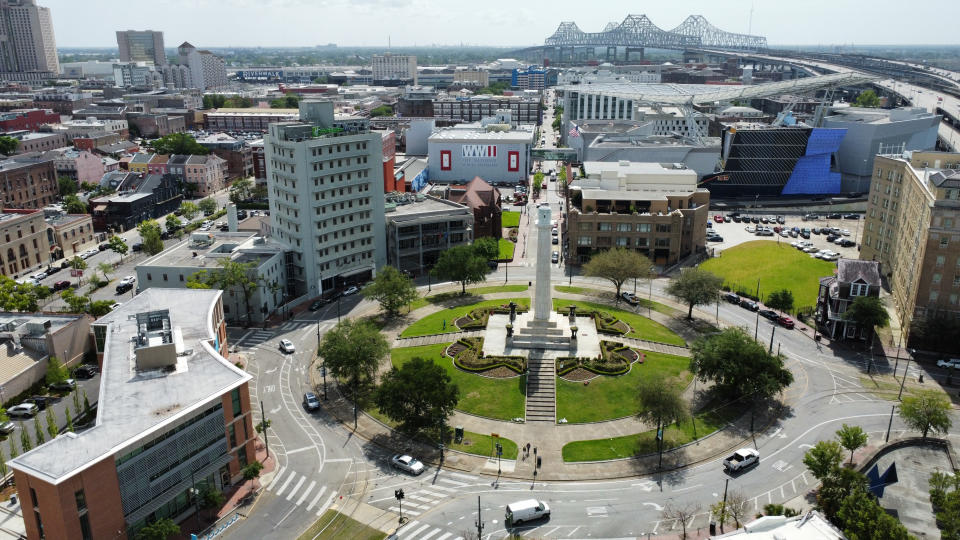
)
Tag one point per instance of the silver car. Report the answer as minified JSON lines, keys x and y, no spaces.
{"x":407,"y":463}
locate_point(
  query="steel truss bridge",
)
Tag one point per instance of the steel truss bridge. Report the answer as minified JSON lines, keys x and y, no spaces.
{"x":637,"y":32}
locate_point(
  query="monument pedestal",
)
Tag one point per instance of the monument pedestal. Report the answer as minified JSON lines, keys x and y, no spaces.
{"x":552,"y":336}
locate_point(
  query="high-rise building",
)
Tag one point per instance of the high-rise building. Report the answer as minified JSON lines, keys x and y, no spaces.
{"x":141,"y":46}
{"x":911,"y":228}
{"x":207,"y":70}
{"x":391,"y":67}
{"x":325,"y":184}
{"x":28,"y":49}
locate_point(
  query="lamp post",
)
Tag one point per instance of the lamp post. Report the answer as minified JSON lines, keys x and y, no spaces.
{"x":905,"y":371}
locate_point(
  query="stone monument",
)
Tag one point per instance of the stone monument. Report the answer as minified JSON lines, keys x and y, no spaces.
{"x":542,"y":298}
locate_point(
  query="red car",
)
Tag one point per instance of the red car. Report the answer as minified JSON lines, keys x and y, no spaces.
{"x":786,"y":322}
{"x":718,"y":218}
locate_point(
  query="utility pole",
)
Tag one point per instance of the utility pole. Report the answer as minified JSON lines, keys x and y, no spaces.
{"x":772,"y":332}
{"x":263,"y":420}
{"x":479,"y":522}
{"x":905,"y":371}
{"x":722,"y":518}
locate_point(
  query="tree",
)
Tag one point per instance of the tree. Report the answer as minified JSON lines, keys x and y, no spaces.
{"x":69,"y":419}
{"x":86,"y":404}
{"x":945,"y":498}
{"x":487,"y":247}
{"x":779,"y":510}
{"x":862,"y":518}
{"x":52,"y":428}
{"x":178,"y":143}
{"x":618,"y":265}
{"x":462,"y":264}
{"x":67,"y":186}
{"x":173,"y":223}
{"x":925,"y":411}
{"x":661,"y":402}
{"x":3,"y":465}
{"x":8,"y":145}
{"x":77,"y":303}
{"x":189,"y":210}
{"x":867,"y":98}
{"x":231,"y":276}
{"x":391,"y":289}
{"x":99,"y":308}
{"x":352,"y":351}
{"x":20,"y":296}
{"x":25,"y":442}
{"x":207,"y":206}
{"x":211,"y":497}
{"x":781,"y":300}
{"x":56,"y":371}
{"x":383,"y":110}
{"x":240,"y":190}
{"x":76,"y":403}
{"x":851,"y":438}
{"x":252,"y":472}
{"x":12,"y":443}
{"x":418,"y":395}
{"x":695,"y":287}
{"x":867,"y":312}
{"x":823,"y":459}
{"x":38,"y":431}
{"x":118,"y":246}
{"x":739,"y":366}
{"x":734,"y":507}
{"x":682,"y":513}
{"x":161,"y":529}
{"x":150,"y":233}
{"x":106,"y":269}
{"x":73,"y":205}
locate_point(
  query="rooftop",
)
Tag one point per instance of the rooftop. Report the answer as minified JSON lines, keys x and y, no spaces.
{"x":138,"y":404}
{"x":204,"y":249}
{"x":811,"y":526}
{"x":518,"y":135}
{"x":409,"y":206}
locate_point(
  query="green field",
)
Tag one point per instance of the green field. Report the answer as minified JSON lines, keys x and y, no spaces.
{"x":503,"y":399}
{"x":434,"y":323}
{"x":777,"y":266}
{"x":506,"y":249}
{"x":443,"y":297}
{"x":573,"y":290}
{"x":641,"y":327}
{"x":646,"y":443}
{"x":482,"y":445}
{"x":333,"y":524}
{"x":509,"y":219}
{"x":615,"y":397}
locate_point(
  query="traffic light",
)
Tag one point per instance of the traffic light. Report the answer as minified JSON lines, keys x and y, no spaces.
{"x":398,"y":494}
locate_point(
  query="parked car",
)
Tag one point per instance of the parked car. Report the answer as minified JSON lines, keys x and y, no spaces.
{"x":66,"y":385}
{"x":736,"y":219}
{"x":7,"y":428}
{"x":124,"y":287}
{"x":104,"y":246}
{"x":353,"y":289}
{"x":851,"y":216}
{"x":407,"y":464}
{"x":23,"y":410}
{"x":718,"y":218}
{"x":85,"y":371}
{"x":525,"y":511}
{"x":42,"y":402}
{"x":137,"y":247}
{"x":781,"y":220}
{"x":555,"y":257}
{"x":951,"y":363}
{"x":316,"y":305}
{"x":310,"y":401}
{"x":555,"y":240}
{"x":832,"y":238}
{"x":741,"y":460}
{"x":749,"y":304}
{"x":834,"y":216}
{"x":714,"y":238}
{"x":792,"y":233}
{"x":769,"y":314}
{"x":128,"y":280}
{"x":61,"y":285}
{"x":630,"y":298}
{"x":287,"y":346}
{"x":815,"y":230}
{"x":732,"y":298}
{"x":785,"y":322}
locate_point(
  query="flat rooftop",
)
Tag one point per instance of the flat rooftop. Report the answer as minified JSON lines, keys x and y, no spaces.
{"x":481,"y":134}
{"x":204,"y":249}
{"x":412,"y":208}
{"x":135,"y":406}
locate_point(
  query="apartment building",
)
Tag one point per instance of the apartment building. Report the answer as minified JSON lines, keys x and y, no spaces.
{"x":28,"y":119}
{"x":523,"y":109}
{"x":207,"y":173}
{"x":207,"y":70}
{"x":81,"y":165}
{"x":655,"y":209}
{"x":234,"y":120}
{"x":324,"y":180}
{"x":472,"y":77}
{"x":174,"y":419}
{"x":39,"y":142}
{"x":141,"y":46}
{"x":391,"y":68}
{"x":68,"y":234}
{"x":28,"y":49}
{"x":23,"y":242}
{"x":30,"y":339}
{"x":421,"y":227}
{"x":912,"y":229}
{"x":28,"y":180}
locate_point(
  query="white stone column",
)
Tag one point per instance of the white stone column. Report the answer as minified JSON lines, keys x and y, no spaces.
{"x":542,"y":302}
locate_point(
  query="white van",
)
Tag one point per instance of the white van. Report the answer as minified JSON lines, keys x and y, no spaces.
{"x":528,"y":510}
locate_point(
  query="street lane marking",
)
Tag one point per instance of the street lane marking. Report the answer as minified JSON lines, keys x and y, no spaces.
{"x":305,"y":448}
{"x":295,"y":488}
{"x":317,"y":498}
{"x":276,"y":478}
{"x":445,"y":536}
{"x":453,"y":482}
{"x":290,"y":478}
{"x":431,"y":493}
{"x":326,"y":504}
{"x":431,"y":533}
{"x":306,"y":492}
{"x":687,"y":488}
{"x":464,"y":476}
{"x":338,"y":460}
{"x":420,"y":530}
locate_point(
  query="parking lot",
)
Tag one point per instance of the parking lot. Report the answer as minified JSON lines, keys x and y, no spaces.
{"x":736,"y":233}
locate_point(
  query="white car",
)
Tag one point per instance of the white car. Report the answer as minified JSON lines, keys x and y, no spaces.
{"x":128,"y":280}
{"x":953,"y":363}
{"x":38,"y":276}
{"x":351,"y":290}
{"x":287,"y":346}
{"x":407,"y":463}
{"x":23,"y":410}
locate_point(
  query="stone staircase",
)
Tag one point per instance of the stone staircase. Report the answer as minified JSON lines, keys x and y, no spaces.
{"x":541,"y":389}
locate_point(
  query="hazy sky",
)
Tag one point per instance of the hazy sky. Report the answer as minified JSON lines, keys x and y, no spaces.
{"x":208,"y":23}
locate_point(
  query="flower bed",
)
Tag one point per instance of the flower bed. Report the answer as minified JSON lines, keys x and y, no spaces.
{"x":468,"y":355}
{"x":477,"y":319}
{"x":605,"y":322}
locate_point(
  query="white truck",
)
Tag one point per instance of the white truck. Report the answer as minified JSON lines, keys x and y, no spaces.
{"x":528,"y":510}
{"x":741,"y":459}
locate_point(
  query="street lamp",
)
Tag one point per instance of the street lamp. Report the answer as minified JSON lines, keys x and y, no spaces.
{"x":905,"y":371}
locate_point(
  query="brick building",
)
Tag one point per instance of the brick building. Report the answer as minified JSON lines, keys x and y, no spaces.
{"x":23,"y":242}
{"x":28,"y":180}
{"x":29,"y":119}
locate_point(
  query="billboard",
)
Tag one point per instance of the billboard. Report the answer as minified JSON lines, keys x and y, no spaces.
{"x":452,"y":161}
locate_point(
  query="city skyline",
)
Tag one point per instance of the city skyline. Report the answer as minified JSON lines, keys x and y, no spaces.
{"x":271,"y":23}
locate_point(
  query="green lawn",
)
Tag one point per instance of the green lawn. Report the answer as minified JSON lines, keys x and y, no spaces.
{"x":506,"y":249}
{"x":644,"y":303}
{"x":482,"y":445}
{"x":641,"y":327}
{"x":503,"y":399}
{"x":510,"y":219}
{"x":333,"y":524}
{"x":645,"y":443}
{"x":443,"y":297}
{"x":573,"y":290}
{"x":615,"y":397}
{"x":433,"y":324}
{"x":777,"y":266}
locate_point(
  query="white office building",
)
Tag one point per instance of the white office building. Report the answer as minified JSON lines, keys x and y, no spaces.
{"x":27,"y":43}
{"x":325,"y":184}
{"x":207,"y":70}
{"x":391,"y":67}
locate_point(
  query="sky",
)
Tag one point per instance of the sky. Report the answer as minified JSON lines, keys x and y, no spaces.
{"x":279,"y":23}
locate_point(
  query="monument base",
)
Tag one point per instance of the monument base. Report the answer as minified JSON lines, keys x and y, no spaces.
{"x":552,"y":336}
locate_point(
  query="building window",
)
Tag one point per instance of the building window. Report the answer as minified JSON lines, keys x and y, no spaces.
{"x":944,"y":241}
{"x":604,"y":227}
{"x":624,"y":227}
{"x":622,"y":242}
{"x":585,"y":241}
{"x":936,"y":278}
{"x":934,"y":295}
{"x":235,"y":398}
{"x":643,"y":227}
{"x":940,"y":260}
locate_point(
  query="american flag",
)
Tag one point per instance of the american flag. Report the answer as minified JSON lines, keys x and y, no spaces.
{"x":575,"y":131}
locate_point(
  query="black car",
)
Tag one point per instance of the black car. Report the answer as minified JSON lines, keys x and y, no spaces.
{"x":124,"y":287}
{"x":851,"y":216}
{"x":138,"y":247}
{"x":85,"y":371}
{"x":847,"y":243}
{"x":769,"y":314}
{"x":749,"y":304}
{"x":714,"y":238}
{"x":732,"y":298}
{"x":815,"y":230}
{"x":834,"y":216}
{"x":42,"y":402}
{"x":831,"y":237}
{"x":104,"y":246}
{"x":736,"y":219}
{"x":754,"y":220}
{"x":317,"y":304}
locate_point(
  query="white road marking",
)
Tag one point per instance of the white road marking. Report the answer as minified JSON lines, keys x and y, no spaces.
{"x":464,"y":476}
{"x":305,"y":448}
{"x":655,"y":506}
{"x":431,"y":533}
{"x":326,"y":504}
{"x":338,"y":460}
{"x":290,"y":478}
{"x":276,"y":478}
{"x":453,"y":482}
{"x":296,"y":488}
{"x":306,"y":492}
{"x":317,"y":498}
{"x":420,"y":530}
{"x":445,"y":536}
{"x":687,"y":488}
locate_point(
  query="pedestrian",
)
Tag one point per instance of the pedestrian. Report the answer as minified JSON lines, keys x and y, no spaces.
{"x":444,"y":324}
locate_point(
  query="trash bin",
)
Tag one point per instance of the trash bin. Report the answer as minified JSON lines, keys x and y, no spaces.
{"x":713,"y":528}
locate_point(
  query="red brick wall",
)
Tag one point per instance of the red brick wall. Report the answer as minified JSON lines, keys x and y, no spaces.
{"x":246,"y":419}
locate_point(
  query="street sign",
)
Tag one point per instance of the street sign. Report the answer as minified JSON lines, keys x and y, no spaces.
{"x":660,"y":434}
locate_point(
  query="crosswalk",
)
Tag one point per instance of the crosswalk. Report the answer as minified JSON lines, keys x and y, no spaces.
{"x":420,"y":531}
{"x":418,"y":502}
{"x":286,"y":478}
{"x":257,"y":337}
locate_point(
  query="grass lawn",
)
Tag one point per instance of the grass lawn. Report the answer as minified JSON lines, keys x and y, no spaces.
{"x":482,"y":445}
{"x":777,"y":266}
{"x":641,"y":327}
{"x":443,"y":297}
{"x":333,"y":524}
{"x":433,"y":324}
{"x":615,"y":397}
{"x":887,"y":387}
{"x":503,"y":399}
{"x":510,"y":219}
{"x":644,"y":303}
{"x":506,"y":248}
{"x":572,"y":290}
{"x":646,"y":443}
